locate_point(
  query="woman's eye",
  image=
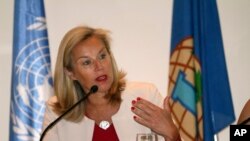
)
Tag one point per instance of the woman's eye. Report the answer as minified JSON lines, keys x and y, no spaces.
{"x":102,"y":56}
{"x":86,"y":62}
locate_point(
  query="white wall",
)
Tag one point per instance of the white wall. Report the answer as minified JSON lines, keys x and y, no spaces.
{"x":141,"y":40}
{"x":6,"y":19}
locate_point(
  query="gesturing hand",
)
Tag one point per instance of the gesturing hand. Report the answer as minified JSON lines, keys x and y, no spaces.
{"x":157,"y":119}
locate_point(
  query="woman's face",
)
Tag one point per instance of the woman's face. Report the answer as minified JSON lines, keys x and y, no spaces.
{"x":92,"y":65}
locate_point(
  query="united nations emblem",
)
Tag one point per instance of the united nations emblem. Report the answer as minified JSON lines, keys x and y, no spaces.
{"x":32,"y":83}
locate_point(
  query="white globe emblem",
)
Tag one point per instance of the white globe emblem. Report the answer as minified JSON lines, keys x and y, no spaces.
{"x":34,"y":82}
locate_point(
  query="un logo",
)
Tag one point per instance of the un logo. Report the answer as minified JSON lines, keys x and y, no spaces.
{"x":33,"y":86}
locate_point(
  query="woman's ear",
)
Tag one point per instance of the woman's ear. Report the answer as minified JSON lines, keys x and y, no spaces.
{"x":69,"y":73}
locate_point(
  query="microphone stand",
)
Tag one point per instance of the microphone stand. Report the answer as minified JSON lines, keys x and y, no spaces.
{"x":92,"y":90}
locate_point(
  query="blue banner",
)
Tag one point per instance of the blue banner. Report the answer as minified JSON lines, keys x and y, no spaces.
{"x":31,"y":71}
{"x":199,"y":84}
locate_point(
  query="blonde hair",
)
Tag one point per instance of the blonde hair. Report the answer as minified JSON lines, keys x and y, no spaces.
{"x":69,"y":91}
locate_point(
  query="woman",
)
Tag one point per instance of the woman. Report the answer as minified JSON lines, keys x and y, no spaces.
{"x":117,"y":111}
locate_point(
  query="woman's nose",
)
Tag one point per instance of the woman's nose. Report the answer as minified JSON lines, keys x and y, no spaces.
{"x":98,"y":64}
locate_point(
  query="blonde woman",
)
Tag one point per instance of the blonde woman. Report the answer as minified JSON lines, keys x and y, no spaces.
{"x":117,"y":111}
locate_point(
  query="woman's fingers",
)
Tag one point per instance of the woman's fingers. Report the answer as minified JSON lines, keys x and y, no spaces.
{"x":144,"y":106}
{"x":167,"y":104}
{"x":157,"y":119}
{"x":147,"y":113}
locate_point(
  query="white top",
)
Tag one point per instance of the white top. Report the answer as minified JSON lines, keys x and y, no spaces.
{"x":125,"y":126}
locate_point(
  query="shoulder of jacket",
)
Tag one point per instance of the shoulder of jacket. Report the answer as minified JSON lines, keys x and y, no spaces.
{"x":138,"y":84}
{"x":51,"y":102}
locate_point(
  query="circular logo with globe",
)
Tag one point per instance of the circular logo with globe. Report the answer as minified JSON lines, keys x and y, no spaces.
{"x":31,"y":87}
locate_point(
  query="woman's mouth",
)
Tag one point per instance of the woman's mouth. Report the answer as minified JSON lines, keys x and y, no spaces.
{"x":102,"y":78}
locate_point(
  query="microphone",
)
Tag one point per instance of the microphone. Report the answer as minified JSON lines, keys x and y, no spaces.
{"x":93,"y":89}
